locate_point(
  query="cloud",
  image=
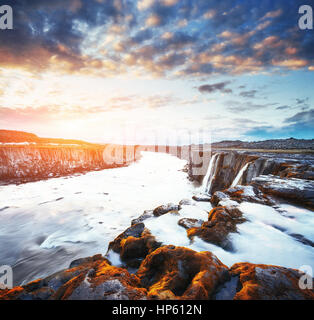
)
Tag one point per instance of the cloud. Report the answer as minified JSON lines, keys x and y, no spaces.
{"x":248,"y":94}
{"x":283,"y":107}
{"x":211,"y":88}
{"x":236,"y":106}
{"x":301,"y":126}
{"x":302,"y":117}
{"x":99,"y":37}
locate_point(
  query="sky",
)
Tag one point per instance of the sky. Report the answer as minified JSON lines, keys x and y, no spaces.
{"x":150,"y":71}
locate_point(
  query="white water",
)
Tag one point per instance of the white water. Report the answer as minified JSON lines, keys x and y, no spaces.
{"x":259,"y":240}
{"x":239,"y":175}
{"x":207,"y":181}
{"x":50,"y":223}
{"x":45,"y":225}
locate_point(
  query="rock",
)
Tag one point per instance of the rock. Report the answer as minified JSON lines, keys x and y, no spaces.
{"x":295,"y":190}
{"x":264,"y":282}
{"x":180,"y":273}
{"x":159,"y":211}
{"x":188,"y":223}
{"x":134,"y":245}
{"x":233,"y":196}
{"x":201,"y":198}
{"x":220,"y":223}
{"x":186,"y":202}
{"x":78,"y":262}
{"x":91,"y":280}
{"x":43,"y":293}
{"x":146,"y":215}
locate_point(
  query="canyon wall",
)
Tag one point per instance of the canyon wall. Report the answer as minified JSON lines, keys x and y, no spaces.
{"x":31,"y":162}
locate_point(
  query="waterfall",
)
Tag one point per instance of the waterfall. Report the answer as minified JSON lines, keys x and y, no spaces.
{"x":239,"y":175}
{"x":209,"y":174}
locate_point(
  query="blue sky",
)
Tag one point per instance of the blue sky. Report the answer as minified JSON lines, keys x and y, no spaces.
{"x":127,"y":70}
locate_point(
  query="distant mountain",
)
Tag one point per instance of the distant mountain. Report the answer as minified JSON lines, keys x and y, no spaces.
{"x":275,"y":144}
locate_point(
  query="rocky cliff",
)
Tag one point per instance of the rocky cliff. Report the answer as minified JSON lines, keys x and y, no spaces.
{"x":232,"y":168}
{"x":22,"y":163}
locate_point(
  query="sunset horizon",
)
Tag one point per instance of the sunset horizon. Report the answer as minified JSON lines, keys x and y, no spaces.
{"x":156,"y":151}
{"x":93,"y":70}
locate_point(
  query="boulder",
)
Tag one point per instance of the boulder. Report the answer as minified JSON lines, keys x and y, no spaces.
{"x":146,"y":215}
{"x":298,"y":191}
{"x":93,"y":279}
{"x":171,"y":273}
{"x":161,"y":210}
{"x":188,"y":223}
{"x":201,"y":198}
{"x":265,"y":282}
{"x":134,"y":245}
{"x":220,"y":223}
{"x":238,"y":194}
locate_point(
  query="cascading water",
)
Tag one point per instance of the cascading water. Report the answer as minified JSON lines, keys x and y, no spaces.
{"x":209,"y":174}
{"x":239,"y":175}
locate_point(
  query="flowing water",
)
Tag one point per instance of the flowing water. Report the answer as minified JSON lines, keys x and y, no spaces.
{"x":47,"y":224}
{"x":239,"y":175}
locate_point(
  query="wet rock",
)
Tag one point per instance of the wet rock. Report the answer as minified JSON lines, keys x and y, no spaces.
{"x":186,"y":202}
{"x":105,"y":282}
{"x":233,"y":196}
{"x":295,"y":190}
{"x":78,"y":262}
{"x":134,"y":245}
{"x":91,"y":280}
{"x":220,"y":223}
{"x":43,"y":293}
{"x":188,"y":223}
{"x":201,"y":198}
{"x":11,"y":294}
{"x":161,"y":210}
{"x":180,"y":273}
{"x":146,"y":215}
{"x":264,"y":282}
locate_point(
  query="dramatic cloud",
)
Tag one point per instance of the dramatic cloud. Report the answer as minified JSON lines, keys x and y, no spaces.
{"x":120,"y":36}
{"x":86,"y":59}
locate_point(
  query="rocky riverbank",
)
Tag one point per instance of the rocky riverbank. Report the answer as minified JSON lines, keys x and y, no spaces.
{"x":197,"y":248}
{"x":149,"y":269}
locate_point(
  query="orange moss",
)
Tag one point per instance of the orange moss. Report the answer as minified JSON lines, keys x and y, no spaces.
{"x":180,"y":273}
{"x":282,"y":284}
{"x":11,"y":294}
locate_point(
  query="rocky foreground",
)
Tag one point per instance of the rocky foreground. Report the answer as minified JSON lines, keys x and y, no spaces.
{"x":153,"y":271}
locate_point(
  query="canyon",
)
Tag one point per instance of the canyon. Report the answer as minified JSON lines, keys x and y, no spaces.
{"x":241,"y":231}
